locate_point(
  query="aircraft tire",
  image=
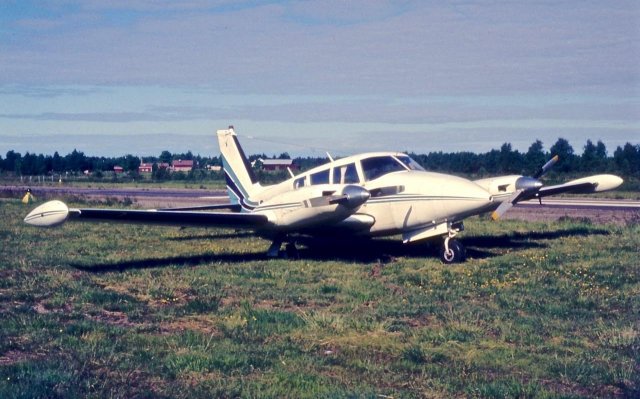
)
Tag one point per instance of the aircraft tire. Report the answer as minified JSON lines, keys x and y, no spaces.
{"x":456,"y":253}
{"x":292,"y":251}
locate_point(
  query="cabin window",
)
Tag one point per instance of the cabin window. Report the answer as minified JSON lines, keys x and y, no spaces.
{"x":378,"y":166}
{"x":345,"y":174}
{"x":299,"y":182}
{"x":409,"y":162}
{"x":320,"y":177}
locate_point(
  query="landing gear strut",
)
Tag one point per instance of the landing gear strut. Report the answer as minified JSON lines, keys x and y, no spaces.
{"x":452,"y":250}
{"x":290,"y":251}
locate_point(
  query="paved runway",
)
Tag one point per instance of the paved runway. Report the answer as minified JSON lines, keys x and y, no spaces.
{"x":118,"y":192}
{"x":584,"y":203}
{"x":596,"y":210}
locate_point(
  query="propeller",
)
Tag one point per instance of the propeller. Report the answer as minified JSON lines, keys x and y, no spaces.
{"x":525,"y":187}
{"x":545,"y":168}
{"x":352,"y":196}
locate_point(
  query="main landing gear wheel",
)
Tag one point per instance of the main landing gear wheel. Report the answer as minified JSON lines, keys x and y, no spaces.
{"x":291,"y":252}
{"x":452,"y":252}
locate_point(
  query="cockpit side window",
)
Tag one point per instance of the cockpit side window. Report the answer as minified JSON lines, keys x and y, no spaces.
{"x":337,"y":175}
{"x":375,"y":167}
{"x":351,"y":174}
{"x":409,"y":162}
{"x":321,"y":177}
{"x":345,"y":174}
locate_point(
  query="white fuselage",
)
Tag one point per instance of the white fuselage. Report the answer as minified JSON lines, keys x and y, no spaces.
{"x":403,"y":198}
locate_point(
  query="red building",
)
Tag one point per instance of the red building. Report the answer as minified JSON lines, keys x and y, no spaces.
{"x":118,"y":169}
{"x":145,"y":168}
{"x":180,"y":165}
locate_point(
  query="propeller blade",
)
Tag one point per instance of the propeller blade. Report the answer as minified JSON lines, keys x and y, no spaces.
{"x":504,"y":207}
{"x":545,"y":168}
{"x":324,"y":200}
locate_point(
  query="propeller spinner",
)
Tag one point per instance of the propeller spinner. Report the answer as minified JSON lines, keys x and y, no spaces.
{"x":352,"y":196}
{"x":525,"y":187}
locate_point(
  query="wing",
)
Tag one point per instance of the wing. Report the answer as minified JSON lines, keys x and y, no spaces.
{"x":527,"y":188}
{"x":54,"y":213}
{"x":585,"y":185}
{"x":228,"y":207}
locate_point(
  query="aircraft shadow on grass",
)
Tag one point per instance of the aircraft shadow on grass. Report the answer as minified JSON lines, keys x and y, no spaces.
{"x":357,"y":251}
{"x":212,"y":236}
{"x":479,"y":246}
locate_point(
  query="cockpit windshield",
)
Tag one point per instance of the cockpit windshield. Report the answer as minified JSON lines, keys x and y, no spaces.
{"x":375,"y":167}
{"x":409,"y":162}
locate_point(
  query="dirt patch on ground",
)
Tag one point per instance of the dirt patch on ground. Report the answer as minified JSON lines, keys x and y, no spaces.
{"x":196,"y":323}
{"x":16,"y":356}
{"x":119,"y":319}
{"x":201,"y":324}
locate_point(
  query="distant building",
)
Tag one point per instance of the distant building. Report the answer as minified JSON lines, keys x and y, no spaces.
{"x":214,"y":168}
{"x":277,"y":164}
{"x":118,"y":169}
{"x":180,"y":165}
{"x":145,"y":168}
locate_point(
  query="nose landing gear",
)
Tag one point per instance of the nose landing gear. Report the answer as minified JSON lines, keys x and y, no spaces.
{"x":452,"y":250}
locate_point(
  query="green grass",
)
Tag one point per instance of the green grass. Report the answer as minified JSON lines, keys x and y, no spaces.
{"x":540,"y":310}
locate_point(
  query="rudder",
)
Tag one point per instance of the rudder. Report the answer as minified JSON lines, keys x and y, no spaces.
{"x":242,"y":183}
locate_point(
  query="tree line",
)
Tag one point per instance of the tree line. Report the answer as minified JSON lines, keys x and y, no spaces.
{"x":77,"y":162}
{"x":594,"y":158}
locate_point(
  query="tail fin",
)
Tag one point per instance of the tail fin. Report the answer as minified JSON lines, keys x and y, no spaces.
{"x":242,"y":184}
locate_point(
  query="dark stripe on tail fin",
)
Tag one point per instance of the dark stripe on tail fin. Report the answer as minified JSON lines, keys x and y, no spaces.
{"x":235,"y":194}
{"x":247,"y":165}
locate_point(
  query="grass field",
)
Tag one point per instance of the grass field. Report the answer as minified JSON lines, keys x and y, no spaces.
{"x":540,"y":310}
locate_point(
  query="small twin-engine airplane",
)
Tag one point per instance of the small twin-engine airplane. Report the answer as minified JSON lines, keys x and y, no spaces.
{"x":372,"y":194}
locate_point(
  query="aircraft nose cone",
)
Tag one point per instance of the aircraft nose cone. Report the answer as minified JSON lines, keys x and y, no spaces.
{"x":355,"y":196}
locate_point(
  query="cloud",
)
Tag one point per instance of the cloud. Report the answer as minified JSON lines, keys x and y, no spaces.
{"x":338,"y":72}
{"x":162,"y":105}
{"x":48,"y":91}
{"x":281,"y":48}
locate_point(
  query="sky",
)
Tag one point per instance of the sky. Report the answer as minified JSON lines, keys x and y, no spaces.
{"x":306,"y":77}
